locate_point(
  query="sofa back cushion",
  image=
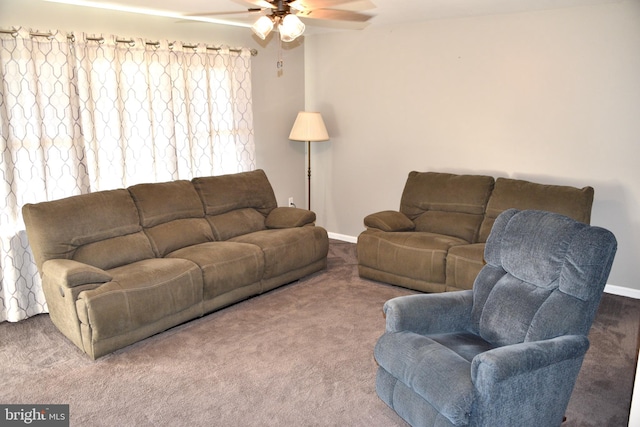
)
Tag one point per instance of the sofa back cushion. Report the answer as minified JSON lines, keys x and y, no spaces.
{"x":236,"y":204}
{"x":446,"y":203}
{"x":172,"y":215}
{"x":101,"y":229}
{"x":513,"y":193}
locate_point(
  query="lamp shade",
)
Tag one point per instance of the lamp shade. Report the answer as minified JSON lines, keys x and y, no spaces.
{"x":309,"y":126}
{"x":262,"y":27}
{"x":290,"y":28}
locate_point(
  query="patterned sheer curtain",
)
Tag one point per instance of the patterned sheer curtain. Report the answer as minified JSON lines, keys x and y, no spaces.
{"x":81,"y":114}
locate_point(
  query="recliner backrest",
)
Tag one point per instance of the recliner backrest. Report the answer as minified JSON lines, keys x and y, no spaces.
{"x":446,"y":203}
{"x":236,"y":204}
{"x":101,"y":229}
{"x":172,"y":215}
{"x":524,"y":195}
{"x":544,"y":277}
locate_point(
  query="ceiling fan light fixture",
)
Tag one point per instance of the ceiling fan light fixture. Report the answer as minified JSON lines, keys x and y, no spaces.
{"x":290,"y":28}
{"x":262,"y":27}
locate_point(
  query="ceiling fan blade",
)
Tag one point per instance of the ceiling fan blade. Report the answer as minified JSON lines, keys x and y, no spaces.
{"x":334,"y":14}
{"x":336,"y":25}
{"x":258,"y":3}
{"x":318,"y":4}
{"x":235,"y":12}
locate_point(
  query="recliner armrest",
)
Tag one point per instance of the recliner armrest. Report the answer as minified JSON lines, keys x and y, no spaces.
{"x":506,"y":362}
{"x":389,"y":221}
{"x":289,"y":217}
{"x":430,"y":313}
{"x":527,"y":384}
{"x":70,"y":273}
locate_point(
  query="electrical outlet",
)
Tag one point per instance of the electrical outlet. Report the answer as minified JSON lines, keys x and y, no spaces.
{"x":291,"y":204}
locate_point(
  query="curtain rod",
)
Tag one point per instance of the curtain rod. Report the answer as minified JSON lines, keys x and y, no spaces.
{"x":72,"y":38}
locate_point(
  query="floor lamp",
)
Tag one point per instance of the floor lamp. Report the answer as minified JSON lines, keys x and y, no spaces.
{"x":309,"y":127}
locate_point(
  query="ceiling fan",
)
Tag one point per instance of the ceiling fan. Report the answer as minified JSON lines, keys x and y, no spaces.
{"x":284,"y":15}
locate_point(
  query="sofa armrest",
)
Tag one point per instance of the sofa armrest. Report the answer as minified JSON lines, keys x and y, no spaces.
{"x":389,"y":221}
{"x":289,"y":217}
{"x":70,"y":273}
{"x":429,"y":313}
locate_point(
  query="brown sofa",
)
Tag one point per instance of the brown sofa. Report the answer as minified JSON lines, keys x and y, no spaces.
{"x":436,"y":241}
{"x":119,"y":266}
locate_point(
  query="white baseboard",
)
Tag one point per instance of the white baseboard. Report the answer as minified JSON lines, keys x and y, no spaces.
{"x":622,"y":291}
{"x":610,"y":289}
{"x":343,"y":237}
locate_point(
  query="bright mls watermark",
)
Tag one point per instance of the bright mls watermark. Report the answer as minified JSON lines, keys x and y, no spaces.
{"x":34,"y":415}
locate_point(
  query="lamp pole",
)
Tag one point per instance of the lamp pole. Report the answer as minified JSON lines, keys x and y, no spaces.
{"x":309,"y":175}
{"x":309,"y":127}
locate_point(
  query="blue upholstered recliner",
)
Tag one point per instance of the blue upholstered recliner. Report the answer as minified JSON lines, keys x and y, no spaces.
{"x":508,"y":352}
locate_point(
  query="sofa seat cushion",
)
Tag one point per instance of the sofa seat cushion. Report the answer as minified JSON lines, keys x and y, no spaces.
{"x":140,"y":294}
{"x":225,"y":266}
{"x":417,"y":255}
{"x":288,"y":249}
{"x":415,"y":360}
{"x":464,"y":262}
{"x":464,"y":344}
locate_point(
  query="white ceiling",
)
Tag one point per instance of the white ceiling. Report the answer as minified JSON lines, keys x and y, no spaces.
{"x":384,"y":12}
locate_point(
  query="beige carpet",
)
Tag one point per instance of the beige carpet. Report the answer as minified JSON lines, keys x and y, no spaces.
{"x":301,"y":355}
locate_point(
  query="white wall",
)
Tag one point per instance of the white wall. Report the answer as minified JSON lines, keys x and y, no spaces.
{"x":550,"y":96}
{"x":277,"y":94}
